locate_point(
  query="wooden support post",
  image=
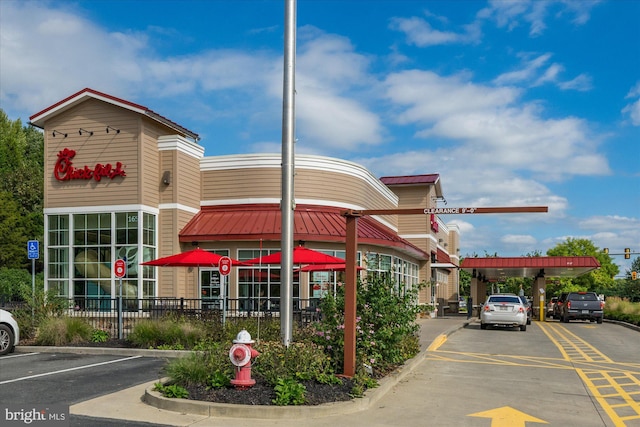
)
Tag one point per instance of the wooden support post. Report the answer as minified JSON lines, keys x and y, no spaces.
{"x":351,"y":284}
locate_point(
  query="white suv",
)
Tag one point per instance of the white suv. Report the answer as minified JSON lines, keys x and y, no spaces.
{"x":9,"y":332}
{"x":503,"y":310}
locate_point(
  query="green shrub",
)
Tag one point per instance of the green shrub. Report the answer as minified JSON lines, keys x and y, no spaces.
{"x":198,"y":367}
{"x":59,"y":331}
{"x":98,"y":335}
{"x":218,"y":380}
{"x":303,"y":361}
{"x":289,"y":392}
{"x":171,"y":390}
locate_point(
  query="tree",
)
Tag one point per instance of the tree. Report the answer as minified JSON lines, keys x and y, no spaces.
{"x":464,"y":281}
{"x":630,"y":287}
{"x":601,"y":280}
{"x":21,"y":190}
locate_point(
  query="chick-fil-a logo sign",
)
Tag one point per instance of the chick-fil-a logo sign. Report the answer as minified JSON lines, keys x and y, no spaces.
{"x":65,"y":171}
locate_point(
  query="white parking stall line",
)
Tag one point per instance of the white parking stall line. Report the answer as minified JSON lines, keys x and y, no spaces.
{"x":69,"y":370}
{"x":18,"y":355}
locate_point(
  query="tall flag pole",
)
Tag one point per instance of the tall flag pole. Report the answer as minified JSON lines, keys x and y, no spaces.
{"x":287,"y":204}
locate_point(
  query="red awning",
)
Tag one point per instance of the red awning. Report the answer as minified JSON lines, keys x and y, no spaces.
{"x":311,"y":223}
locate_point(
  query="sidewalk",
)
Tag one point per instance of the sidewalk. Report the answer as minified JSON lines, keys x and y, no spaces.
{"x":128,"y":404}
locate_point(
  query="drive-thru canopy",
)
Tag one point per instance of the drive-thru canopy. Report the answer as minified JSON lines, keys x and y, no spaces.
{"x":485,"y":270}
{"x":498,"y":268}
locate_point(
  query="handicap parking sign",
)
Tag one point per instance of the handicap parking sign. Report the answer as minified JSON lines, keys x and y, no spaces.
{"x":33,"y":249}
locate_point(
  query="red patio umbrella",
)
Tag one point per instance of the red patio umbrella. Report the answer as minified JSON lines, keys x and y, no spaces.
{"x":301,"y":255}
{"x":193,"y":258}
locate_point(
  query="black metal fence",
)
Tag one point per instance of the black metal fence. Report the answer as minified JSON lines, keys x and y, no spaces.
{"x":104,"y":313}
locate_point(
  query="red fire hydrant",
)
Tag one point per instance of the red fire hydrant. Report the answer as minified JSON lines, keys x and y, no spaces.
{"x":241,"y":354}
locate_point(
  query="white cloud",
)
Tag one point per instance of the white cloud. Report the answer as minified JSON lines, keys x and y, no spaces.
{"x":633,"y":109}
{"x":518,"y":240}
{"x":68,"y":52}
{"x":510,"y":14}
{"x":420,"y":33}
{"x":329,"y":75}
{"x":492,"y":126}
{"x":535,"y":72}
{"x":463,"y":226}
{"x":615,"y":223}
{"x":49,"y":53}
{"x":527,"y":72}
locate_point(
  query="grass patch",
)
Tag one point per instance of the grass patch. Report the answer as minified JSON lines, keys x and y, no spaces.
{"x":57,"y":331}
{"x":166,"y":333}
{"x":623,"y":310}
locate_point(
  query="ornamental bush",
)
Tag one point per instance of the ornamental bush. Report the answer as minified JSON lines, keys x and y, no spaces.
{"x":386,"y":328}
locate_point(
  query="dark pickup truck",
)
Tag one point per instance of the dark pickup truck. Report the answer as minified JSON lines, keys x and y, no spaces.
{"x":582,"y":305}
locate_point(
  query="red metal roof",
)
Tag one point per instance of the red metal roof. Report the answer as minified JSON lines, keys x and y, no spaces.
{"x":560,"y":266}
{"x":410,"y":179}
{"x":311,"y":223}
{"x":37,"y":119}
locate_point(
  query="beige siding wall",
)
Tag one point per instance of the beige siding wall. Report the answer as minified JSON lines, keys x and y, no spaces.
{"x":187,"y":181}
{"x":413,"y":197}
{"x":310,"y":184}
{"x":149,"y":165}
{"x":243,"y":183}
{"x":102,"y":147}
{"x":168,"y":193}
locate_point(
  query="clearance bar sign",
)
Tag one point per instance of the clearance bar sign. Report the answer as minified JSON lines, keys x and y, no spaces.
{"x":457,"y":211}
{"x":448,"y":211}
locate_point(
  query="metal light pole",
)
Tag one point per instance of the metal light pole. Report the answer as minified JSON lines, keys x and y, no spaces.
{"x":287,"y":204}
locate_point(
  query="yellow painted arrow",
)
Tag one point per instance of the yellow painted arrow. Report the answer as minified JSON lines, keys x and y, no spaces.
{"x":507,"y":417}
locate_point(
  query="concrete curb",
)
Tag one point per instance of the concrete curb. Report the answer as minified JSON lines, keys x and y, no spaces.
{"x":169,"y":354}
{"x":371,"y":396}
{"x":625,"y":324}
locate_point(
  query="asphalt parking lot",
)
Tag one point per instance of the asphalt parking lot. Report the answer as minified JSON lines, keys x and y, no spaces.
{"x":29,"y":379}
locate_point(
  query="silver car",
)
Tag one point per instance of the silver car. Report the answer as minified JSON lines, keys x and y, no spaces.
{"x":9,"y":332}
{"x":503,"y":310}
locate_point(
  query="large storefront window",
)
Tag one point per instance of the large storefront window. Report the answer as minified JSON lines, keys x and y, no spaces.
{"x":259,"y":286}
{"x":322,"y":283}
{"x":404,"y":273}
{"x":58,"y":254}
{"x":92,"y":260}
{"x":82,"y":248}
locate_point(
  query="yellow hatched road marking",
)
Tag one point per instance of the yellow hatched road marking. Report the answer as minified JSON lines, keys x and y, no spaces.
{"x":572,"y":346}
{"x":615,"y":386}
{"x":618,"y":412}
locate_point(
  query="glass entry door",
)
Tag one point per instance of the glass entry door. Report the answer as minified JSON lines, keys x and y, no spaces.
{"x":211,"y":289}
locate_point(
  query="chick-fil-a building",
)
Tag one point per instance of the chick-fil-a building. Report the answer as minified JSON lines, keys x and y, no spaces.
{"x":123,"y":182}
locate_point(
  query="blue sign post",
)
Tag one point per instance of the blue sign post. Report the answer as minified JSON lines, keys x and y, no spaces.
{"x":33,"y":252}
{"x":33,"y":249}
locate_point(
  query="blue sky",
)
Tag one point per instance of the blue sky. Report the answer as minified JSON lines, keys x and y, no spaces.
{"x":513,"y":103}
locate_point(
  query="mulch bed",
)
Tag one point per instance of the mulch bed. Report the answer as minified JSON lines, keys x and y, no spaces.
{"x":263,"y":394}
{"x":259,"y":394}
